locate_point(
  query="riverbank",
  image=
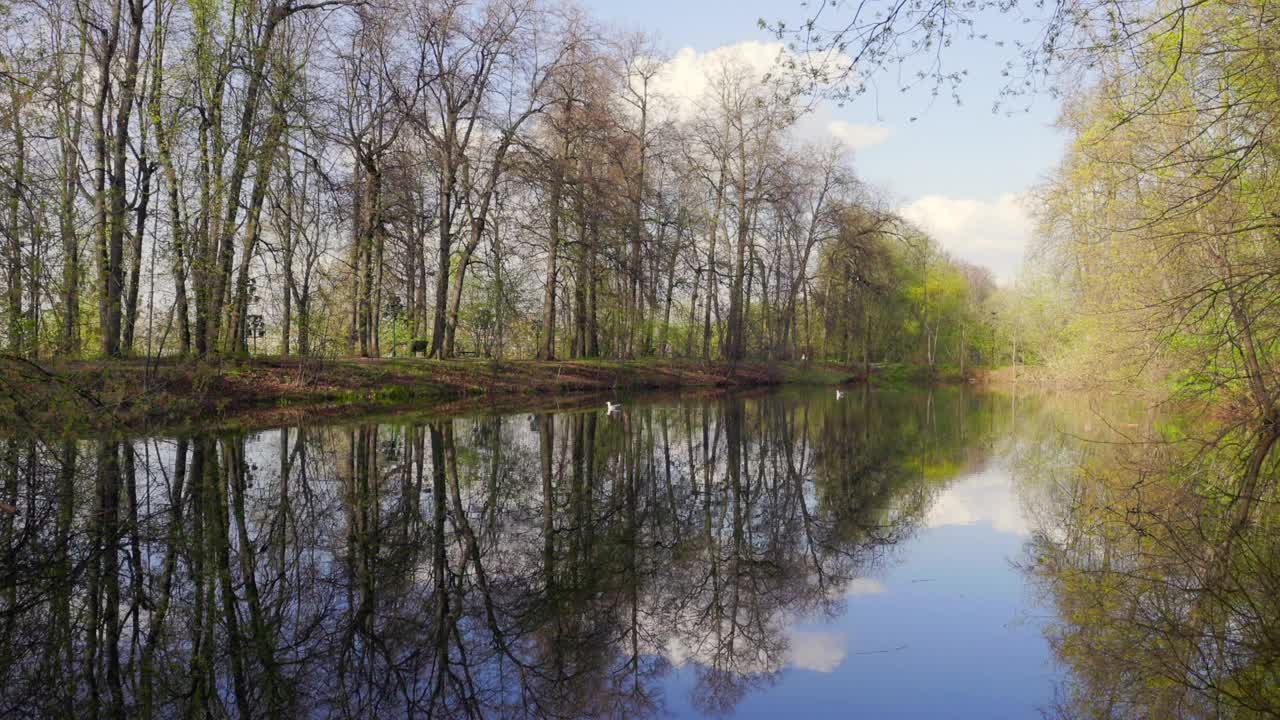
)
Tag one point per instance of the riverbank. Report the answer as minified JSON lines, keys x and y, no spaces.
{"x":134,"y":394}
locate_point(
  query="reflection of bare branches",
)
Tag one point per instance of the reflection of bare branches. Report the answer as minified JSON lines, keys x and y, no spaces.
{"x":463,"y":568}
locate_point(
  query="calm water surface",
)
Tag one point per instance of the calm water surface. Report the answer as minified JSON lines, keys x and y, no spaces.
{"x":872,"y":556}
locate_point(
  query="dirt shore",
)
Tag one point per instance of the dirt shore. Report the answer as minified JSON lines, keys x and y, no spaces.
{"x":131,"y":395}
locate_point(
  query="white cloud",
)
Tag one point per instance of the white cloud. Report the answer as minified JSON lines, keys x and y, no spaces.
{"x":687,"y":75}
{"x":683,"y":81}
{"x":857,"y":135}
{"x":991,"y":233}
{"x":817,"y":651}
{"x":864,"y":586}
{"x":987,"y":497}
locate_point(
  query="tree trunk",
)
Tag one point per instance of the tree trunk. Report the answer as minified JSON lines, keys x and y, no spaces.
{"x":733,"y":349}
{"x":593,"y":286}
{"x":69,"y":187}
{"x":105,"y":57}
{"x":246,"y":148}
{"x":237,"y":340}
{"x":582,"y":277}
{"x":113,"y":253}
{"x":14,"y":249}
{"x":443,"y":269}
{"x":455,"y":304}
{"x":177,"y":230}
{"x":548,"y":349}
{"x":288,"y":240}
{"x":135,"y":257}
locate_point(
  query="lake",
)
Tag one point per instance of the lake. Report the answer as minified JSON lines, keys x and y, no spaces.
{"x":905,"y":554}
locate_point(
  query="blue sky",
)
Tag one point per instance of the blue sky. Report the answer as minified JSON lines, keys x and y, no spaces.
{"x":960,"y":171}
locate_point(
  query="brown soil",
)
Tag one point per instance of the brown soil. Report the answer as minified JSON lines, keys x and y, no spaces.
{"x":130,"y":395}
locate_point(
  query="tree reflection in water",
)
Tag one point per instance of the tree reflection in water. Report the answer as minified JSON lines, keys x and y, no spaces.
{"x":1159,"y":554}
{"x":552,"y":565}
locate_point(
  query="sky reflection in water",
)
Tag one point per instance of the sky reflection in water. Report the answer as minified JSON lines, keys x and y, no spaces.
{"x":728,"y":556}
{"x":948,"y":629}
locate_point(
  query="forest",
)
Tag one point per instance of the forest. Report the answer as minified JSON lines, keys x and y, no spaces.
{"x":500,"y":179}
{"x":1159,"y":228}
{"x":220,"y":497}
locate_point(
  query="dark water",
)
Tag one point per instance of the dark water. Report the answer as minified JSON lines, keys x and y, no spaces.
{"x":914,"y":555}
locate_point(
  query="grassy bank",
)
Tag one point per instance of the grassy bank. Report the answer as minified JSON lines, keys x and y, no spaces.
{"x":903,"y":375}
{"x":133,"y":394}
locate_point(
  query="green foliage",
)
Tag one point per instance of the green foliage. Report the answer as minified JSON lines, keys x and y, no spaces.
{"x":1159,"y":226}
{"x":888,"y":294}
